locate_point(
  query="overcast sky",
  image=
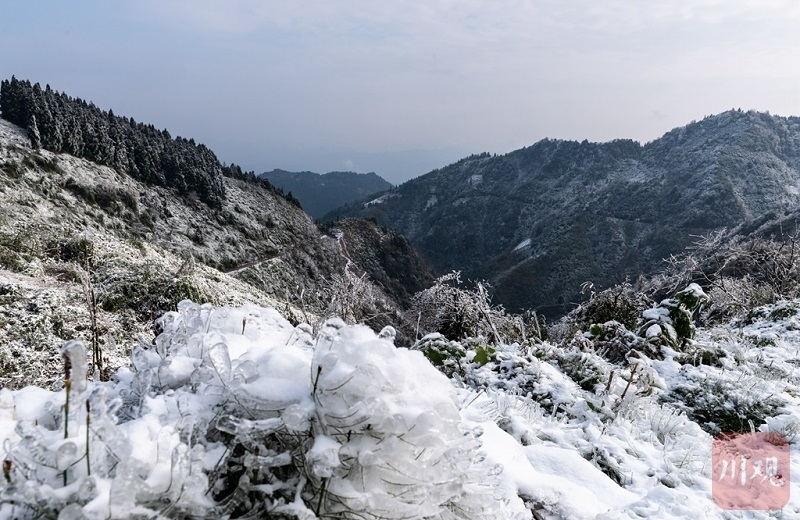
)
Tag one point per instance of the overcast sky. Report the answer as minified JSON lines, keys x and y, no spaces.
{"x":402,"y":87}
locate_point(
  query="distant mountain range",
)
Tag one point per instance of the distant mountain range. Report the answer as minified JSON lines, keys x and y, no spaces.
{"x":539,"y":221}
{"x":319,"y":194}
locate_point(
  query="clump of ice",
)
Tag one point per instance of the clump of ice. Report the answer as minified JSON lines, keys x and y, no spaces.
{"x":215,"y":413}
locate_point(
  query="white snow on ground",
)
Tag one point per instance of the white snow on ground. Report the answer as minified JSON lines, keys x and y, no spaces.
{"x":13,"y":135}
{"x":522,"y":245}
{"x":380,"y":200}
{"x":381,"y":433}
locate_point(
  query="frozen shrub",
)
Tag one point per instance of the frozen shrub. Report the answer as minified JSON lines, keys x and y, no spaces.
{"x":459,"y":313}
{"x":236,"y":413}
{"x":581,"y":363}
{"x":613,"y":341}
{"x":621,"y":303}
{"x":79,"y":250}
{"x":732,"y":297}
{"x":775,"y":313}
{"x":379,"y":454}
{"x":739,"y":269}
{"x":448,"y":356}
{"x":670,"y":324}
{"x":697,"y":354}
{"x":723,"y":406}
{"x":512,"y":372}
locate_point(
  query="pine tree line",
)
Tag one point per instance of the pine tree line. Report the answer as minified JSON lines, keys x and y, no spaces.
{"x":61,"y":124}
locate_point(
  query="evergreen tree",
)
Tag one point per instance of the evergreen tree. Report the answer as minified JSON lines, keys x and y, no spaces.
{"x":33,"y":133}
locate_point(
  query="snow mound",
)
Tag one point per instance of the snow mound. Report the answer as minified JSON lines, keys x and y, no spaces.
{"x":234,"y":411}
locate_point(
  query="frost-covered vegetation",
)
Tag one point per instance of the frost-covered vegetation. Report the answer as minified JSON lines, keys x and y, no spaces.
{"x":234,"y":412}
{"x":302,"y":388}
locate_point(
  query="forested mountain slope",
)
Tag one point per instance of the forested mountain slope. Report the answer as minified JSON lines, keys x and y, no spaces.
{"x":97,"y":252}
{"x":539,"y":221}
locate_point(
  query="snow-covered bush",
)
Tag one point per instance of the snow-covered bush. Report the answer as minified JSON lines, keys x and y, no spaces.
{"x":233,"y":412}
{"x":774,"y":313}
{"x":621,"y":303}
{"x":732,"y":297}
{"x":353,"y":297}
{"x":614,"y":342}
{"x":148,"y":292}
{"x":459,"y":313}
{"x":583,"y":365}
{"x":450,"y":357}
{"x":738,"y":268}
{"x":670,"y":324}
{"x":721,"y":405}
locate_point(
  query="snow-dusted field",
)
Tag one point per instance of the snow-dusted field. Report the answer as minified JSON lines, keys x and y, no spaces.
{"x":235,"y":412}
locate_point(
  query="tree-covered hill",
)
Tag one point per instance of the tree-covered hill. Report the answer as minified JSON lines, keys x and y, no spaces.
{"x":91,"y":252}
{"x":62,"y":124}
{"x":540,"y":221}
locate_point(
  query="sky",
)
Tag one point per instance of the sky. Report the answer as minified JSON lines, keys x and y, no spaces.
{"x":401,"y":87}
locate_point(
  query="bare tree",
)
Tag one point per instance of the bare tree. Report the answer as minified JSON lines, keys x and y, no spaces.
{"x":739,"y":272}
{"x":458,"y":313}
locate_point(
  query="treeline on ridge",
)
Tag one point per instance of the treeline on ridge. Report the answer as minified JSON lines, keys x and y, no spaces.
{"x":61,"y":124}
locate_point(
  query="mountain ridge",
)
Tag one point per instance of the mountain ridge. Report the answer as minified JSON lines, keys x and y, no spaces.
{"x":591,"y":211}
{"x":321,"y":193}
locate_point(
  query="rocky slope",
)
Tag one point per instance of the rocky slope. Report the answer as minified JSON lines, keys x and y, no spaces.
{"x":541,"y":220}
{"x":320,"y":194}
{"x":73,"y":232}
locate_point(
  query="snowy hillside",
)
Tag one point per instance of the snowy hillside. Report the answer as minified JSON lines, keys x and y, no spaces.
{"x":88,"y":252}
{"x":592,"y":211}
{"x":234,"y":412}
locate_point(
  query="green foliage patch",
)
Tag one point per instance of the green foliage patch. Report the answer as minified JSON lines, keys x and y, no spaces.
{"x":721,"y":406}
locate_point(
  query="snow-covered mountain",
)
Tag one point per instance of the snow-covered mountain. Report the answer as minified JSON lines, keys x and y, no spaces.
{"x":73,"y":232}
{"x":538,"y":222}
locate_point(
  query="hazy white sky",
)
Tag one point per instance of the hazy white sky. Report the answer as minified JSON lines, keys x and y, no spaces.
{"x":401,"y":87}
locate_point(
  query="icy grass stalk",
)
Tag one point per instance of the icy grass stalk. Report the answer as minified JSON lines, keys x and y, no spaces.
{"x":627,"y":386}
{"x":67,"y":392}
{"x":322,"y":494}
{"x":88,"y":430}
{"x":73,"y":354}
